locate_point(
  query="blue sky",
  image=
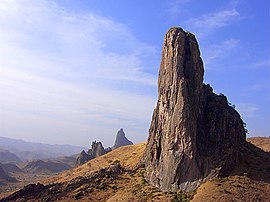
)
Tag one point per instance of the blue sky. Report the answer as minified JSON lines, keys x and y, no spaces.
{"x":73,"y":71}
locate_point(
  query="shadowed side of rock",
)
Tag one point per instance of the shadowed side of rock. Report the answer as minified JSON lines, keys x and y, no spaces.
{"x":194,"y":133}
{"x":83,"y":158}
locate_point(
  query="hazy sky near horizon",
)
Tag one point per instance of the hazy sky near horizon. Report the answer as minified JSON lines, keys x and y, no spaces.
{"x":74,"y":71}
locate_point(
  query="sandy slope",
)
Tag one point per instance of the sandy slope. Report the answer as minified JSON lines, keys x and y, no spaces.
{"x":128,"y":156}
{"x":261,"y":142}
{"x":132,"y":186}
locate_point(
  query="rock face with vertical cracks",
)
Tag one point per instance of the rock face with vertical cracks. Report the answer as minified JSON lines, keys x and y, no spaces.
{"x":194,"y":134}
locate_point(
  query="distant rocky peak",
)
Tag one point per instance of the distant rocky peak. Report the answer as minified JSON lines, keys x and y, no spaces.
{"x":121,"y":139}
{"x":96,"y":149}
{"x":121,"y":133}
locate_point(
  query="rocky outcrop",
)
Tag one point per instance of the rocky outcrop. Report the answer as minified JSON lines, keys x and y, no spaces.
{"x":108,"y":149}
{"x":83,"y":158}
{"x":194,"y":134}
{"x":121,"y":139}
{"x":96,"y":150}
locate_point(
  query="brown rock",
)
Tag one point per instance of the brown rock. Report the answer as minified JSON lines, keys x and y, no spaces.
{"x":194,"y":134}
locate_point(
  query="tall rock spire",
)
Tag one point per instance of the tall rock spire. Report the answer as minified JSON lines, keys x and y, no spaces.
{"x":194,"y":133}
{"x":121,"y":139}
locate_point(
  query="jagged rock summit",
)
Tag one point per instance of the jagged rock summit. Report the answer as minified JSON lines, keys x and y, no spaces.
{"x":195,"y":134}
{"x":121,"y":139}
{"x":96,"y":150}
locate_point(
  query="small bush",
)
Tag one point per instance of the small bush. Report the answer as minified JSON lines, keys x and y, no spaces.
{"x":116,"y":162}
{"x":143,"y":181}
{"x":221,"y":180}
{"x":180,"y":197}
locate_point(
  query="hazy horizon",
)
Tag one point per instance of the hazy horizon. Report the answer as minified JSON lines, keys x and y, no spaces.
{"x":76,"y":71}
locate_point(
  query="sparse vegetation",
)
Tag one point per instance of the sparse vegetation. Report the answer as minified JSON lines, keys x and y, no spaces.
{"x":115,"y":162}
{"x":180,"y":197}
{"x":143,"y":181}
{"x":221,"y":180}
{"x":141,"y":172}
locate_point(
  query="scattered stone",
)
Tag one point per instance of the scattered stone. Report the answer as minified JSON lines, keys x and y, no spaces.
{"x":82,"y":186}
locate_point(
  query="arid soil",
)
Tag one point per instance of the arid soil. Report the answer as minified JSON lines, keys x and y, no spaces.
{"x":120,"y":179}
{"x":261,"y":142}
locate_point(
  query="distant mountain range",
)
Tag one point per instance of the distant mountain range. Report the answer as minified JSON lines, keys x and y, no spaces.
{"x":27,"y":151}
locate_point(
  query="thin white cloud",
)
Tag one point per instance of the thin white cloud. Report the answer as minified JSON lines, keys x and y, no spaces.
{"x":261,"y":64}
{"x":61,"y":70}
{"x":247,"y":110}
{"x":212,"y":21}
{"x":213,"y":53}
{"x":177,"y":8}
{"x":50,"y":33}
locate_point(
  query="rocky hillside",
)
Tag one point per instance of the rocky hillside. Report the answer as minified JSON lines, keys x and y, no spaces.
{"x":45,"y":166}
{"x":10,"y":168}
{"x":4,"y":177}
{"x":121,"y":139}
{"x":8,"y":157}
{"x":128,"y":156}
{"x":114,"y":177}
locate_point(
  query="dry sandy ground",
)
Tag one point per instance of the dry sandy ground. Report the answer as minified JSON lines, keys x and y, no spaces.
{"x":261,"y":142}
